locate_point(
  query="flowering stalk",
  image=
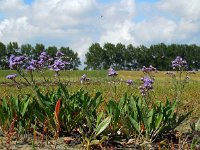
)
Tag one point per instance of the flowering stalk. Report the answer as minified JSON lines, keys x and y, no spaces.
{"x":112,"y":73}
{"x":179,"y":65}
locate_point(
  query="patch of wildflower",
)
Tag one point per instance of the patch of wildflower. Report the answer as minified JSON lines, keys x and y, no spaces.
{"x":11,"y":76}
{"x":112,"y":72}
{"x":58,"y":65}
{"x":16,"y":61}
{"x":21,"y":63}
{"x":148,"y":80}
{"x":129,"y":82}
{"x":179,"y":63}
{"x":146,"y":86}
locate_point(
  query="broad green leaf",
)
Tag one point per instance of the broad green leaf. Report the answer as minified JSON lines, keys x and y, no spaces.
{"x":135,"y":124}
{"x":158,"y":121}
{"x":99,"y":118}
{"x":150,"y":117}
{"x":103,"y":125}
{"x":25,"y":107}
{"x":5,"y":104}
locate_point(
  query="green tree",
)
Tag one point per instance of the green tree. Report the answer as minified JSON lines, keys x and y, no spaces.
{"x":12,"y":48}
{"x":37,"y":50}
{"x":96,"y":57}
{"x":27,"y":49}
{"x":52,"y":50}
{"x":3,"y":57}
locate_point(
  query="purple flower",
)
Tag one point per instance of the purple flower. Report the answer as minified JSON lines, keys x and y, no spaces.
{"x":43,"y":56}
{"x":179,"y":63}
{"x":11,"y":76}
{"x":147,"y":85}
{"x":142,"y":90}
{"x":58,"y":65}
{"x":15,"y":61}
{"x":129,"y":82}
{"x":30,"y":68}
{"x":112,"y":72}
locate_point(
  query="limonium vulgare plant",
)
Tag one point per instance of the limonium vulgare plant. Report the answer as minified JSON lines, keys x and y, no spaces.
{"x":113,"y":74}
{"x":180,"y":66}
{"x":148,"y":81}
{"x":24,"y":65}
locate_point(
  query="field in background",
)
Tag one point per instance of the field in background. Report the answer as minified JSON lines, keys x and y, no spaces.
{"x":163,"y":86}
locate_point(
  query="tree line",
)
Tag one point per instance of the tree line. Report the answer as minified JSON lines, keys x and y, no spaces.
{"x":122,"y":57}
{"x":118,"y":56}
{"x":33,"y":52}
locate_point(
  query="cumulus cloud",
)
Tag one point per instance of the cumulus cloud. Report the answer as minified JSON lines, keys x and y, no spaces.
{"x":184,"y":8}
{"x":79,"y":23}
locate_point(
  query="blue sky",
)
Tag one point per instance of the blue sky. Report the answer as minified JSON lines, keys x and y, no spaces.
{"x":78,"y":23}
{"x":28,"y":1}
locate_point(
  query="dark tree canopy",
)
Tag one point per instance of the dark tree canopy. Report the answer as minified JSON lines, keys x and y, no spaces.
{"x":129,"y":57}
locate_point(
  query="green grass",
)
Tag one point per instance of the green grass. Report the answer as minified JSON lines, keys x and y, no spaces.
{"x":163,"y":87}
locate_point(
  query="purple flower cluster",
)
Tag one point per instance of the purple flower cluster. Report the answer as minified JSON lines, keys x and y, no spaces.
{"x":179,"y":63}
{"x":148,"y":69}
{"x":58,"y":65}
{"x":11,"y":76}
{"x":112,"y":72}
{"x":129,"y":82}
{"x":33,"y":64}
{"x":15,"y":61}
{"x":147,"y":85}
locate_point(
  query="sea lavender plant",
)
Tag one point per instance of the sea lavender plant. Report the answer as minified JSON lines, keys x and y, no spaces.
{"x":57,"y":66}
{"x":180,"y":76}
{"x":11,"y":76}
{"x":148,"y":80}
{"x":18,"y":63}
{"x":146,"y":86}
{"x":179,"y":63}
{"x":15,"y":62}
{"x":129,"y":82}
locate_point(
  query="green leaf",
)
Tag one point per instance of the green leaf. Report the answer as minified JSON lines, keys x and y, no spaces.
{"x":95,"y":142}
{"x":158,"y":121}
{"x":5,"y":104}
{"x":99,"y":118}
{"x":150,"y":117}
{"x":25,"y":107}
{"x":103,"y":125}
{"x":135,"y":124}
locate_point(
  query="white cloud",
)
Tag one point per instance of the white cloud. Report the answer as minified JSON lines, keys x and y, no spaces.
{"x":117,"y":22}
{"x":16,"y":30}
{"x":182,"y":8}
{"x":78,"y":23}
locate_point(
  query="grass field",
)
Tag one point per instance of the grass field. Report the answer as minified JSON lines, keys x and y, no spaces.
{"x":163,"y":86}
{"x":42,"y":111}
